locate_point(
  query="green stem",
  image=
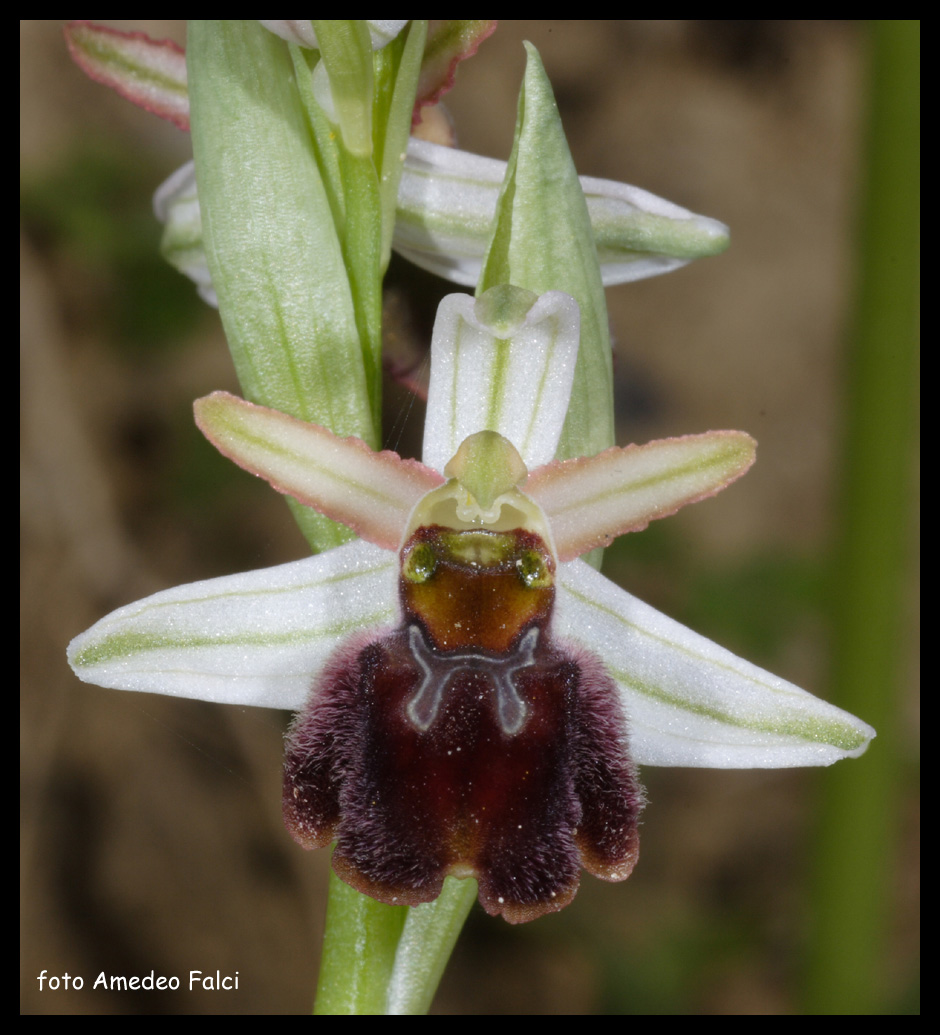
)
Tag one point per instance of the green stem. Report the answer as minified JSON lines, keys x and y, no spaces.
{"x":359,"y":946}
{"x":363,"y":250}
{"x":380,"y":959}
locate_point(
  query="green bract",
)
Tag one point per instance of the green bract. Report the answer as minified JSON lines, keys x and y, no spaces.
{"x":294,"y":217}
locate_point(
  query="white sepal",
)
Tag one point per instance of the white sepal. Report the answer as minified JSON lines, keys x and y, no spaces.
{"x":447,"y":203}
{"x":690,"y":702}
{"x":176,"y":205}
{"x":513,"y":377}
{"x":258,"y":638}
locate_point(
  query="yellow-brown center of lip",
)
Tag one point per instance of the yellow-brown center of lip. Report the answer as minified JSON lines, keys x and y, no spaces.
{"x":476,"y":589}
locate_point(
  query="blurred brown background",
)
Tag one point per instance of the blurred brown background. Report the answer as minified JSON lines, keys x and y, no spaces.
{"x":151,"y":836}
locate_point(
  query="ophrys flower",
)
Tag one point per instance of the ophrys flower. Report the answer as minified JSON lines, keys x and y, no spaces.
{"x":366,"y":642}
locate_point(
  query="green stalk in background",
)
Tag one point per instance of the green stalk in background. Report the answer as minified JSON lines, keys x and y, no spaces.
{"x":859,"y":809}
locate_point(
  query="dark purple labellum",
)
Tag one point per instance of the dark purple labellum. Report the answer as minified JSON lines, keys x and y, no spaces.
{"x":469,"y":741}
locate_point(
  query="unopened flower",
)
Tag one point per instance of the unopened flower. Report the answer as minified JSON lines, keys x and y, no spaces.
{"x":446,"y":205}
{"x":446,"y":197}
{"x":302,"y":32}
{"x":472,"y":698}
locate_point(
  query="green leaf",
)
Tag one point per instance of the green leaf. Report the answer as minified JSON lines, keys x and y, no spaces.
{"x":430,"y":933}
{"x":271,"y":246}
{"x":543,"y":241}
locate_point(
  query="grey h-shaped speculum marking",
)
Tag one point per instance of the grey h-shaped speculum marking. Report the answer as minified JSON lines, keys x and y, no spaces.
{"x":423,"y":707}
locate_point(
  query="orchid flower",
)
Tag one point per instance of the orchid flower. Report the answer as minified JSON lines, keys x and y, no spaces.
{"x":472,"y":698}
{"x":446,"y":205}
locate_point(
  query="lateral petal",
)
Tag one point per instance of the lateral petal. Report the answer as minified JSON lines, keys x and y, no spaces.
{"x":372,"y":493}
{"x":150,"y":73}
{"x":591,"y":500}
